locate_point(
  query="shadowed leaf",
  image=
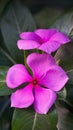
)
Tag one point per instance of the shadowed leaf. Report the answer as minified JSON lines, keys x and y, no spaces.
{"x":65,"y":56}
{"x":65,"y":53}
{"x":25,"y":119}
{"x":16,"y":19}
{"x":65,"y":116}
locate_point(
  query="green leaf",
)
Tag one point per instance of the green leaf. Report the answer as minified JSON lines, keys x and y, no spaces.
{"x":65,"y":116}
{"x":65,"y":56}
{"x":5,"y":58}
{"x":66,"y":94}
{"x":65,"y":53}
{"x":22,"y":119}
{"x":4,"y":90}
{"x":69,"y":97}
{"x":70,"y":75}
{"x":26,"y":119}
{"x":16,"y":19}
{"x":69,"y":87}
{"x":62,"y":94}
{"x":65,"y":23}
{"x":52,"y":119}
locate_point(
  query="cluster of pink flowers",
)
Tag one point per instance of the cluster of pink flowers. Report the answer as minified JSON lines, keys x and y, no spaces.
{"x":47,"y":77}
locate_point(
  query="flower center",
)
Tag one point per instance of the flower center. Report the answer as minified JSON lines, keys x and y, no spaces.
{"x":34,"y":82}
{"x":44,"y":40}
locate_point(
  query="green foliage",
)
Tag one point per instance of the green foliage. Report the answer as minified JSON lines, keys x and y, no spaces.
{"x":65,"y":56}
{"x":70,"y":74}
{"x":4,"y":90}
{"x":65,"y":22}
{"x":5,"y":58}
{"x":65,"y":106}
{"x":16,"y":19}
{"x":65,"y":116}
{"x":25,"y":119}
{"x":69,"y":88}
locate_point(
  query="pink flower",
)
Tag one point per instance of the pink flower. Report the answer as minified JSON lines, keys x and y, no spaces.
{"x":48,"y":40}
{"x":41,"y":90}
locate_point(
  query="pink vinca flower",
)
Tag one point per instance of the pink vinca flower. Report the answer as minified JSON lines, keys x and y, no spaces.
{"x":47,"y":78}
{"x":47,"y":40}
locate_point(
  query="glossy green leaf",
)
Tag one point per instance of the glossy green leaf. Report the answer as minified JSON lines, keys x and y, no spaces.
{"x":26,"y":119}
{"x":22,"y":119}
{"x":52,"y":119}
{"x":16,"y":19}
{"x":65,"y":116}
{"x":4,"y":90}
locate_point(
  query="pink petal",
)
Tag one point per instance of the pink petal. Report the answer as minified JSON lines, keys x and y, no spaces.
{"x":30,"y":36}
{"x":55,"y":78}
{"x":50,"y":46}
{"x":27,"y":44}
{"x":45,"y":34}
{"x":22,"y":98}
{"x":43,"y":99}
{"x":40,"y":63}
{"x":60,"y":37}
{"x":17,"y":75}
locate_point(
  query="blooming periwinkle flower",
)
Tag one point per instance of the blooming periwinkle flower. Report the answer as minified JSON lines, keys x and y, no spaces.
{"x":47,"y":40}
{"x":47,"y":78}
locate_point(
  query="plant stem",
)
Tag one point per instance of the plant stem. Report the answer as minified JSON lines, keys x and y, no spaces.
{"x":42,"y":52}
{"x":25,"y":59}
{"x":34,"y":122}
{"x":2,"y":81}
{"x":58,"y":61}
{"x":69,"y":71}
